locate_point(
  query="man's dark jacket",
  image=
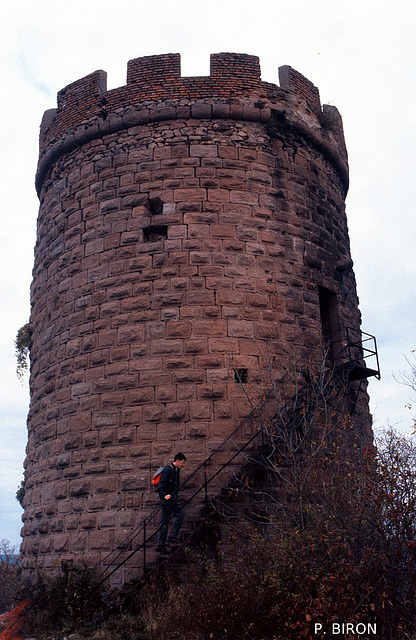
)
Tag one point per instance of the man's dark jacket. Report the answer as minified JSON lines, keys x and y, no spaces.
{"x":169,"y":481}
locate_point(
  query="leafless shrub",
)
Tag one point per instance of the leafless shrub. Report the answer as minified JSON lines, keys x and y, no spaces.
{"x":9,"y":576}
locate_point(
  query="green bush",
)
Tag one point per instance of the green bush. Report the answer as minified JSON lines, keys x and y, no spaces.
{"x":22,"y":346}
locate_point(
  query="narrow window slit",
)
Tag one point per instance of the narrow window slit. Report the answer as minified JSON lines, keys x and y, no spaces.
{"x":330,"y":321}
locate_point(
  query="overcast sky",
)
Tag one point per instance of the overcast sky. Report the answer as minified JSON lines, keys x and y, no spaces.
{"x":361,"y":56}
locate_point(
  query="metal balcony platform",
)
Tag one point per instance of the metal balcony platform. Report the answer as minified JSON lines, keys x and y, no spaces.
{"x":354,"y":371}
{"x":358,"y":360}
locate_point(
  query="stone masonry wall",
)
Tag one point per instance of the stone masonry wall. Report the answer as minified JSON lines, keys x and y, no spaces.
{"x":185,"y":228}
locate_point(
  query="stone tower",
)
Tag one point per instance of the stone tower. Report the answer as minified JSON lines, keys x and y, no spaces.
{"x":188,"y":227}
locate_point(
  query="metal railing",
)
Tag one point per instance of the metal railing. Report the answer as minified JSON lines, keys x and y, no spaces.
{"x":236,"y":444}
{"x":360,"y":354}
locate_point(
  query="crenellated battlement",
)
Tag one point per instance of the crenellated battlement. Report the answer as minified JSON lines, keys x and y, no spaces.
{"x":156,"y":91}
{"x":153,"y":78}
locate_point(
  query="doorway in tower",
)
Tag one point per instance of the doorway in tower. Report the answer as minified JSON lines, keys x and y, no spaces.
{"x":330,"y":322}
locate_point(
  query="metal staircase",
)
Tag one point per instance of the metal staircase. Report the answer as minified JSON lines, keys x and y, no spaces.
{"x":215,"y":471}
{"x":223,"y":465}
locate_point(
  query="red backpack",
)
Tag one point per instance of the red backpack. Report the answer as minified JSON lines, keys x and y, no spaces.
{"x":156,"y":478}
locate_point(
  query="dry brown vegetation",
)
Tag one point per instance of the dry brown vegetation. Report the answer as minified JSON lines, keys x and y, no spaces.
{"x":327,"y":534}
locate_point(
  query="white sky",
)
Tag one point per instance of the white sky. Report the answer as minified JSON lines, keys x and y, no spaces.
{"x":361,"y":56}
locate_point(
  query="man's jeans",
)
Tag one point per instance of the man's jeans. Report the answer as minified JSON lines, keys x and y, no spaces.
{"x":170,"y":509}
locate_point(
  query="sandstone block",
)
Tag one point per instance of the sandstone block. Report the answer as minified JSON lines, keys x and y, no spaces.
{"x":133,"y":483}
{"x":101,"y":540}
{"x":179,"y":329}
{"x":215,"y":327}
{"x":105,"y":484}
{"x":177,"y":411}
{"x":79,"y":487}
{"x":190,"y":195}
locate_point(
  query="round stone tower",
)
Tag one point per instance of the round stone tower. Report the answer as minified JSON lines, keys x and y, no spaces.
{"x":189,"y":228}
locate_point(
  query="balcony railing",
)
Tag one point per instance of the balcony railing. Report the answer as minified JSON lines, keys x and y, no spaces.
{"x":358,"y":359}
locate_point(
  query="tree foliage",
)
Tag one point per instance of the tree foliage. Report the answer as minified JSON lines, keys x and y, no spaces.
{"x":408,"y":378}
{"x":12,"y":621}
{"x":22,"y":349}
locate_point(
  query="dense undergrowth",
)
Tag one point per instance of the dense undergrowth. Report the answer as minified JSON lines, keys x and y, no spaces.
{"x":327,"y":536}
{"x":349,"y":557}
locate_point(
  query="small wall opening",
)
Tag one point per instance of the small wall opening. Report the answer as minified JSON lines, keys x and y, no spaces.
{"x":240,"y":375}
{"x":156,"y":206}
{"x":155,"y":233}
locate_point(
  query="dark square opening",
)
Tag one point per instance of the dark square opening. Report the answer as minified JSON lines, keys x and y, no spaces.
{"x":155,"y":233}
{"x":156,"y":206}
{"x":240,"y":375}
